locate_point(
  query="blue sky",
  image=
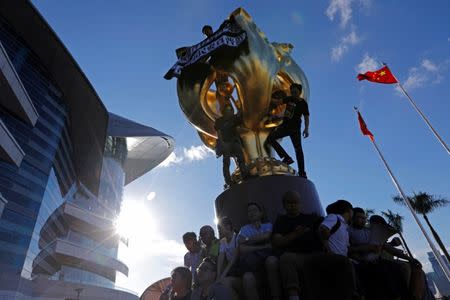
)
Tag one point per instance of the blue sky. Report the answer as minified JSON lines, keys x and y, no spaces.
{"x":125,"y":49}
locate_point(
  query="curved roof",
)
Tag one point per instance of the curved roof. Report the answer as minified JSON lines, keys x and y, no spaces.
{"x":147,"y":147}
{"x":88,"y":116}
{"x":154,"y":291}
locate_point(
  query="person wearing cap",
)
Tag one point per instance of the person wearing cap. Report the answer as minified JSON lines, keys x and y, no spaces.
{"x":296,"y":107}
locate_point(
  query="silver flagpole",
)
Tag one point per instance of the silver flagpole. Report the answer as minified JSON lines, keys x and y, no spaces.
{"x":441,"y":141}
{"x":437,"y":254}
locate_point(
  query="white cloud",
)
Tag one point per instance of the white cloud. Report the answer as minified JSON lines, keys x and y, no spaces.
{"x":429,"y":65}
{"x":197,"y":152}
{"x":185,"y":155}
{"x":415,"y":79}
{"x":341,"y":7}
{"x":151,"y":196}
{"x":368,"y":63}
{"x":344,"y":45}
{"x":172,"y":159}
{"x":427,"y":72}
{"x":366,"y":3}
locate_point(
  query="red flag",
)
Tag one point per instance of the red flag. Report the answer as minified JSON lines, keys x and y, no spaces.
{"x":364,"y":128}
{"x":383,"y":75}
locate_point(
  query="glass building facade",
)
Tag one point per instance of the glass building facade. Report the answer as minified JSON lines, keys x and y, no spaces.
{"x":46,"y":179}
{"x":64,"y":162}
{"x":33,"y":190}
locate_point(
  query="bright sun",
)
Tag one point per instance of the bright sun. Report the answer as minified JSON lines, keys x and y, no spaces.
{"x":136,"y":222}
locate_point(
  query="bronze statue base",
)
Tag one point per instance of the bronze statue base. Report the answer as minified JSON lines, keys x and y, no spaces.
{"x":268,"y":192}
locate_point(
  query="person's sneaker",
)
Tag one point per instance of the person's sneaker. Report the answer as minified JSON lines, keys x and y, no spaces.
{"x":288,"y":160}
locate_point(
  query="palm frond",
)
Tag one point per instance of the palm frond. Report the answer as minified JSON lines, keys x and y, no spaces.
{"x":369,"y":212}
{"x":398,"y":199}
{"x":394,"y":219}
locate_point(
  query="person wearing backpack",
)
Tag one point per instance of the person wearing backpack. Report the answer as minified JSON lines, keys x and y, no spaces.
{"x":333,"y":230}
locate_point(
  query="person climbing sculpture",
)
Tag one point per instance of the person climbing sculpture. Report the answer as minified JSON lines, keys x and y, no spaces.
{"x":296,"y":107}
{"x":229,"y":142}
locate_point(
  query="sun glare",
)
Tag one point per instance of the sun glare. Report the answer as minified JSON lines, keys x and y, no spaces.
{"x":135,"y":221}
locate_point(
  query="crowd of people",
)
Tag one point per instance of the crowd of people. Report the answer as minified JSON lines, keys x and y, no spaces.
{"x":269,"y":261}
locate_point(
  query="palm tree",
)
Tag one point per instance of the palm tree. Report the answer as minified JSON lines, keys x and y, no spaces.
{"x":396,"y":221}
{"x":425,"y":204}
{"x":369,"y":212}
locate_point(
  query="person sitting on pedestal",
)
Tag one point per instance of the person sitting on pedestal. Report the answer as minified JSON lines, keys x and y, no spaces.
{"x":192,"y":258}
{"x":208,"y":288}
{"x":180,"y":285}
{"x":373,"y":270}
{"x":296,"y":107}
{"x":229,"y":142}
{"x":227,"y":267}
{"x":256,"y":257}
{"x":334,"y":228}
{"x":211,"y":244}
{"x":295,"y":236}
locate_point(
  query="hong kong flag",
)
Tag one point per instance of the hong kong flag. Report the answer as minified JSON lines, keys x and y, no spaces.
{"x":383,"y":75}
{"x":363,"y":127}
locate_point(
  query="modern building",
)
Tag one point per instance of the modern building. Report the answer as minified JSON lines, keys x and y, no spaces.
{"x":437,"y":281}
{"x":64,"y":162}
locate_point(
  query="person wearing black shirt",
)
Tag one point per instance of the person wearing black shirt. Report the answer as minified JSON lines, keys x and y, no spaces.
{"x":295,"y":236}
{"x":295,"y":108}
{"x":229,"y":142}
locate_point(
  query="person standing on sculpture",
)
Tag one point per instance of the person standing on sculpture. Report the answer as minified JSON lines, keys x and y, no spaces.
{"x":296,"y":107}
{"x":229,"y":142}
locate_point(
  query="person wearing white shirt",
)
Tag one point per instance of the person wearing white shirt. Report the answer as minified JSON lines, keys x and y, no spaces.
{"x":228,"y":257}
{"x":334,"y":228}
{"x":255,"y":250}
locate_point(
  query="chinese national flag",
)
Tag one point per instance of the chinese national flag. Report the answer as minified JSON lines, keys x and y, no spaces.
{"x":383,"y":75}
{"x":364,"y":128}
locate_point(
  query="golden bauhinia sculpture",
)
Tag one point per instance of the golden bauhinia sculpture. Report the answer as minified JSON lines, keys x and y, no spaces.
{"x":236,"y":66}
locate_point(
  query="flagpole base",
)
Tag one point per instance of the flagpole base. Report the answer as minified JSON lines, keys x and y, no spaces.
{"x":268,"y":192}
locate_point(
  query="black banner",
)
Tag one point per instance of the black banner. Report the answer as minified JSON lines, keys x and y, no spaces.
{"x":230,"y":34}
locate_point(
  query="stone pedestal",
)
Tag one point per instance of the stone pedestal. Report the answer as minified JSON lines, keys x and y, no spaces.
{"x":268,"y":192}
